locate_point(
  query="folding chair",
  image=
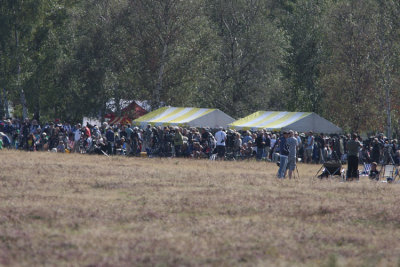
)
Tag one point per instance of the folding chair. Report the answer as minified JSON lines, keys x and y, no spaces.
{"x":389,"y":173}
{"x":330,"y":168}
{"x":367,"y":169}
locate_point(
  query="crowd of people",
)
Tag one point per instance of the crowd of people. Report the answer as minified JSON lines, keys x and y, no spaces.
{"x":172,"y":141}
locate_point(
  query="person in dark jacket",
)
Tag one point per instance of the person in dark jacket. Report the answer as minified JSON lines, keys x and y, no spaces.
{"x":284,"y":154}
{"x":110,"y":140}
{"x":353,"y":148}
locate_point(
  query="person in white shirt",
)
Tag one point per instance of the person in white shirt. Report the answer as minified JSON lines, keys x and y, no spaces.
{"x":220,"y":138}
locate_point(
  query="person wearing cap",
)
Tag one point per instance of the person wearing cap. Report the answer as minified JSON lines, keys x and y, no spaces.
{"x":110,"y":140}
{"x":292,"y":157}
{"x":283,"y":157}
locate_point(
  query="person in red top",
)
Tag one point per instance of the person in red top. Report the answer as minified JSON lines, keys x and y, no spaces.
{"x":86,"y":131}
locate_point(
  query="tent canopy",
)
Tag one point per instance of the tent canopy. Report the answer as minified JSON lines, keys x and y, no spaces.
{"x":282,"y":120}
{"x":189,"y":117}
{"x":119,"y":120}
{"x":130,"y":109}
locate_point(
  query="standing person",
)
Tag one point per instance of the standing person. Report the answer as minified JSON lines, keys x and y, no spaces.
{"x":320,"y":140}
{"x":25,"y":131}
{"x":247,"y":137}
{"x":353,"y":147}
{"x":220,"y":137}
{"x":110,"y":140}
{"x":77,"y":137}
{"x":147,"y":136}
{"x":309,"y":147}
{"x":267,"y":146}
{"x":237,"y":145}
{"x":178,"y":141}
{"x":273,"y":147}
{"x":129,"y":131}
{"x":260,"y":143}
{"x":284,"y":153}
{"x":292,"y":147}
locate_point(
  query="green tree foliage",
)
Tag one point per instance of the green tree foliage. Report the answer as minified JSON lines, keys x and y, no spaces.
{"x":339,"y":58}
{"x":170,"y":41}
{"x":356,"y":74}
{"x":303,"y":22}
{"x":249,"y":55}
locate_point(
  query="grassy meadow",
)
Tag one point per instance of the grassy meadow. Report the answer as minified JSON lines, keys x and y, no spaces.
{"x":78,"y":210}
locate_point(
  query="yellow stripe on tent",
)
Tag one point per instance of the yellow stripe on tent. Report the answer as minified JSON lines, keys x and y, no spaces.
{"x":259,"y":124}
{"x":186,"y":115}
{"x":287,"y":118}
{"x":248,"y":118}
{"x":151,"y":115}
{"x":165,"y":118}
{"x":183,"y":118}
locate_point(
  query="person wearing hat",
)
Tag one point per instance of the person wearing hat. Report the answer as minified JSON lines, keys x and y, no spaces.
{"x":283,"y":157}
{"x":110,"y":140}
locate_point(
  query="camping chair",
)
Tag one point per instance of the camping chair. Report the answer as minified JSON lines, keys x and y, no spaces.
{"x":213,"y":156}
{"x":367,"y":169}
{"x":389,"y":173}
{"x":330,"y":168}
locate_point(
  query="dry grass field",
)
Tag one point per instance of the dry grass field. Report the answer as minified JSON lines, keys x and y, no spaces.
{"x":77,"y":210}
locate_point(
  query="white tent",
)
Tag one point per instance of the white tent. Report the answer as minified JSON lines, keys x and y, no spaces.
{"x":187,"y":117}
{"x":282,"y":120}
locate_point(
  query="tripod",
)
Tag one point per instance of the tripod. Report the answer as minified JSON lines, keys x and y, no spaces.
{"x":294,"y":172}
{"x":298,"y":175}
{"x":388,"y":171}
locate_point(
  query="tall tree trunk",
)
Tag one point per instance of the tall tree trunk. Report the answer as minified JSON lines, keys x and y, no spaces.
{"x":385,"y":47}
{"x":159,"y":85}
{"x":21,"y":90}
{"x":2,"y":107}
{"x":7,"y":112}
{"x":387,"y":86}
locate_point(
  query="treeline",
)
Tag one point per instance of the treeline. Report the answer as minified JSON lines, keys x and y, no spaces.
{"x":339,"y":58}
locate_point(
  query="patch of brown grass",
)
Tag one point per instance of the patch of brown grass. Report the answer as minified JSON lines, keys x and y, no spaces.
{"x":88,"y":210}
